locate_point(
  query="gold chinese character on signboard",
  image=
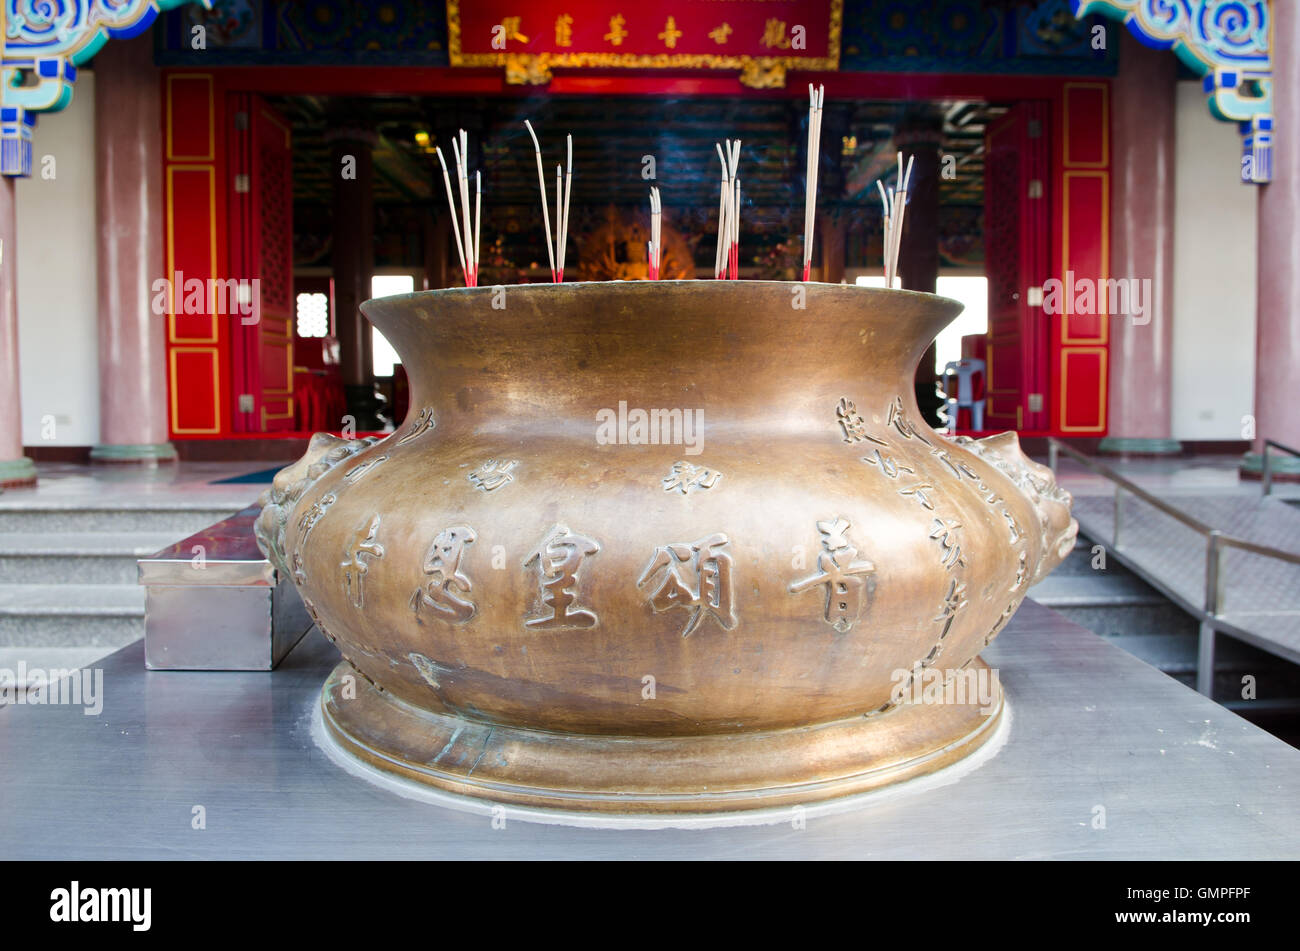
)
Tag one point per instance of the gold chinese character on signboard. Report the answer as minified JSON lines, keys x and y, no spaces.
{"x":720,"y":35}
{"x":616,"y":34}
{"x":774,"y":35}
{"x":511,"y":27}
{"x":670,"y":33}
{"x":564,"y":30}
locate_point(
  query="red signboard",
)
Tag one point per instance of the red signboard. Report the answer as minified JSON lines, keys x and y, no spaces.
{"x":761,"y":38}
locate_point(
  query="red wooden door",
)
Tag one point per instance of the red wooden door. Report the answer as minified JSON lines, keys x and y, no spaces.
{"x":261,"y":256}
{"x":1016,"y":260}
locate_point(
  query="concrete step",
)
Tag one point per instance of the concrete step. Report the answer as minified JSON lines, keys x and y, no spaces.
{"x":173,"y":517}
{"x":70,"y":615}
{"x":76,"y":557}
{"x":1109,"y":588}
{"x":1079,"y":561}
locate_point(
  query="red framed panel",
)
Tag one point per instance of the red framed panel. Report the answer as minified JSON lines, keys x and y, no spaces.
{"x":1081,"y":341}
{"x":194,"y":227}
{"x":260,"y":202}
{"x":1017,"y":245}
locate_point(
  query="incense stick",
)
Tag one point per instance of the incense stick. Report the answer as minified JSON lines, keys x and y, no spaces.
{"x":894,"y":202}
{"x":816,"y":98}
{"x":723,"y":225}
{"x":541,"y":183}
{"x":451,"y":202}
{"x":733,"y":258}
{"x":568,"y":188}
{"x":559,"y":225}
{"x":478,"y":218}
{"x":654,"y":249}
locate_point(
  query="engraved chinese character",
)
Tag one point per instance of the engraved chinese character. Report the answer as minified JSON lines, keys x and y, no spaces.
{"x":887,"y":464}
{"x":670,"y":33}
{"x":422,"y":424}
{"x":919,"y":491}
{"x":694,"y":576}
{"x":953,"y":602}
{"x":687,"y":476}
{"x":306,"y":523}
{"x":493,"y":474}
{"x":855,"y":427}
{"x":361,"y":547}
{"x":564,"y":30}
{"x":839,"y":570}
{"x":1013,"y":527}
{"x":774,"y":35}
{"x":945,"y":532}
{"x":353,"y":475}
{"x":558,"y":561}
{"x":446,"y":580}
{"x":720,"y":34}
{"x":616,"y":34}
{"x":900,"y":422}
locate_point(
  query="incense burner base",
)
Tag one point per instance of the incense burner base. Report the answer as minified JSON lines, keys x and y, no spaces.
{"x":653,"y":774}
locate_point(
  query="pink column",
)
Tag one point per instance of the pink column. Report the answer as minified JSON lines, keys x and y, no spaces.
{"x":1277,"y":281}
{"x":129,"y":218}
{"x":15,"y":468}
{"x":1142,"y":247}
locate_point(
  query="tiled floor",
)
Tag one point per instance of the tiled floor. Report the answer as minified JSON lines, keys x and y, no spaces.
{"x":62,"y":484}
{"x":1201,"y":475}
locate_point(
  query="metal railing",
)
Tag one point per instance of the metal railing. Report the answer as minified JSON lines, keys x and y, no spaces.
{"x":1211,"y":611}
{"x":1268,"y":467}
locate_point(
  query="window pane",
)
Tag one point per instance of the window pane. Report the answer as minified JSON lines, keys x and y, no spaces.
{"x":384,"y":285}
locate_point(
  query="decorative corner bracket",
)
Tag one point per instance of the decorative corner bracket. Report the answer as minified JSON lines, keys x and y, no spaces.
{"x":41,"y":46}
{"x":1226,"y":42}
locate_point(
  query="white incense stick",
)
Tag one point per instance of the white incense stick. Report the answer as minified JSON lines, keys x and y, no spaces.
{"x":478,"y":218}
{"x":568,"y":188}
{"x":735,"y":233}
{"x":559,"y":224}
{"x":541,"y":183}
{"x":733,"y":247}
{"x":884,"y":221}
{"x":816,"y":98}
{"x":724,"y":229}
{"x":462,"y":173}
{"x":893,"y":202}
{"x":451,"y":203}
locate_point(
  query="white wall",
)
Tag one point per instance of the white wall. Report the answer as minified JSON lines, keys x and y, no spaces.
{"x":57,"y":336}
{"x":1214,"y":276}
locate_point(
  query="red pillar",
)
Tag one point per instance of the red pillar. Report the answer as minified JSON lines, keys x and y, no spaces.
{"x":1142,"y":248}
{"x":1277,"y":320}
{"x":15,"y":468}
{"x":129,"y":220}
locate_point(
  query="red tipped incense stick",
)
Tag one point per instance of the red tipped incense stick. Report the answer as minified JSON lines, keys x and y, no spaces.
{"x":816,"y":98}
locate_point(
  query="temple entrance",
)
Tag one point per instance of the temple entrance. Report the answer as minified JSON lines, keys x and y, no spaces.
{"x":366,"y":203}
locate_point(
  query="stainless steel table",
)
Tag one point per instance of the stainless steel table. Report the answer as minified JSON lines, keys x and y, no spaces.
{"x":1177,"y":777}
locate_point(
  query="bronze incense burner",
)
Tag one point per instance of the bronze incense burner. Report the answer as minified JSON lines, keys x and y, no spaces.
{"x":674,"y":546}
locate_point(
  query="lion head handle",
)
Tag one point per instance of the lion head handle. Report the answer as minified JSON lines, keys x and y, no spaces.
{"x":1038,"y":484}
{"x":324,"y":452}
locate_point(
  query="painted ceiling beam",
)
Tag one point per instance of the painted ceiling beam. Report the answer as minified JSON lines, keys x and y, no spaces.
{"x":41,"y":45}
{"x":1225,"y":43}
